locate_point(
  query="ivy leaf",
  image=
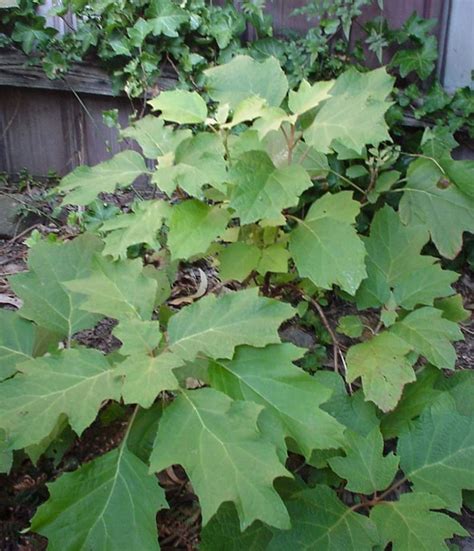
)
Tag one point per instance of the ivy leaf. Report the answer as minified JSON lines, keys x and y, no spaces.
{"x":396,"y":269}
{"x":137,"y":336}
{"x":321,"y":521}
{"x":429,"y":334}
{"x":120,"y":290}
{"x":180,"y":106}
{"x":154,"y":137}
{"x":45,"y":301}
{"x":445,"y":211}
{"x":167,"y":18}
{"x":84,"y":183}
{"x":198,"y":161}
{"x":364,"y":466}
{"x":16,"y":342}
{"x":421,"y":60}
{"x":194,"y":226}
{"x":225,"y":456}
{"x":223,"y":532}
{"x":262,"y":190}
{"x":437,"y":454}
{"x":243,"y":77}
{"x":268,"y":377}
{"x":144,"y":377}
{"x":135,"y":228}
{"x":325,"y":246}
{"x":215,"y":326}
{"x":111,"y":501}
{"x":74,"y":383}
{"x":383,"y":366}
{"x":410,"y":525}
{"x":309,"y":96}
{"x":354,"y":114}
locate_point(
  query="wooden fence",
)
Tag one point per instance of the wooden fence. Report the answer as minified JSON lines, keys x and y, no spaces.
{"x":55,"y":125}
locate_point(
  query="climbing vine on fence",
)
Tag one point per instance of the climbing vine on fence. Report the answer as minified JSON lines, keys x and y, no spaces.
{"x":287,"y":194}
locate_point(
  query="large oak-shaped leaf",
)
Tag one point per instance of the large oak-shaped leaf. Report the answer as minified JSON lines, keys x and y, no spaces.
{"x":215,"y":326}
{"x":384,"y":368}
{"x":16,"y":342}
{"x":227,"y":459}
{"x":119,"y":290}
{"x":430,"y":335}
{"x":74,"y":383}
{"x":395,"y":267}
{"x":180,"y":106}
{"x":354,"y":114}
{"x":194,"y":226}
{"x":325,"y":245}
{"x":320,"y":521}
{"x":111,"y":501}
{"x":134,"y":228}
{"x":243,"y":77}
{"x":411,"y":526}
{"x":268,"y":377}
{"x":45,"y":300}
{"x":437,"y":454}
{"x":154,"y":137}
{"x":364,"y":466}
{"x":84,"y":183}
{"x":440,"y":206}
{"x":261,"y":190}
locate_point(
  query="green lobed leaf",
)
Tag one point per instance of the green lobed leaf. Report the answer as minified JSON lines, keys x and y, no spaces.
{"x":383,"y":366}
{"x":17,"y":340}
{"x":309,"y":96}
{"x":168,"y":18}
{"x":351,"y":326}
{"x":45,"y":300}
{"x":411,"y":526}
{"x":445,"y":211}
{"x":197,"y":161}
{"x":421,"y":60}
{"x":180,"y":106}
{"x":194,"y":226}
{"x":364,"y":466}
{"x":223,"y":532}
{"x":74,"y":383}
{"x":224,"y":455}
{"x":261,"y":190}
{"x":325,"y":245}
{"x":154,"y":137}
{"x":84,"y":183}
{"x":137,"y":336}
{"x":144,"y":377}
{"x":268,"y":377}
{"x":430,"y":335}
{"x":120,"y":290}
{"x":216,"y":325}
{"x":396,"y":269}
{"x":321,"y":522}
{"x":111,"y":501}
{"x":135,"y":228}
{"x":416,"y":397}
{"x":452,"y":308}
{"x":354,"y":114}
{"x":243,"y":77}
{"x":437,"y":454}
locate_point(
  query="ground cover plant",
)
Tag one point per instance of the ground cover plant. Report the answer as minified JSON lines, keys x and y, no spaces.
{"x":288,"y":196}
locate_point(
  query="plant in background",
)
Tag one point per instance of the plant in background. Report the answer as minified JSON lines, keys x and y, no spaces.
{"x":288,"y":194}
